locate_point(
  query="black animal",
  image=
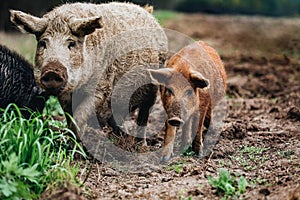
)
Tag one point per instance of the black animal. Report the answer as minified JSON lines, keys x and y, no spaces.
{"x":17,"y":84}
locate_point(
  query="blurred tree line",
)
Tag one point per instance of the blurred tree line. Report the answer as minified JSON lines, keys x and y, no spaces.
{"x":249,"y":7}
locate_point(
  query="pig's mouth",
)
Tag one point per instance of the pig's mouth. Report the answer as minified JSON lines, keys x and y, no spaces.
{"x":54,"y":91}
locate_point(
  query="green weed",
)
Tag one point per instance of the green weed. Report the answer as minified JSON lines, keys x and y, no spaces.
{"x":187,"y":151}
{"x":286,"y":154}
{"x":176,"y":166}
{"x":52,"y":107}
{"x":227,"y":184}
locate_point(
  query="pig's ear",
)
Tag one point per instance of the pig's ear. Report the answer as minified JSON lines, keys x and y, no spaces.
{"x":85,"y":26}
{"x":28,"y":23}
{"x":198,"y":80}
{"x":149,"y":9}
{"x":160,"y":76}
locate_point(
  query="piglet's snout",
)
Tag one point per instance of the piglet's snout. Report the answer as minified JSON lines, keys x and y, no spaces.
{"x":175,"y":121}
{"x":54,"y":77}
{"x":174,"y":113}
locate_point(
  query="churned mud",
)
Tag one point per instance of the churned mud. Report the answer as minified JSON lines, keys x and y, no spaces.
{"x":260,"y":138}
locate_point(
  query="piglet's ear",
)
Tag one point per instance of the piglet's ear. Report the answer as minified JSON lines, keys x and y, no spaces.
{"x":160,"y":76}
{"x":85,"y":26}
{"x":198,"y":80}
{"x":28,"y":23}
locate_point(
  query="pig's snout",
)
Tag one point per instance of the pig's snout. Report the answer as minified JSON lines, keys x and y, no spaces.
{"x":54,"y":77}
{"x":175,"y":121}
{"x":174,"y":112}
{"x":52,"y":80}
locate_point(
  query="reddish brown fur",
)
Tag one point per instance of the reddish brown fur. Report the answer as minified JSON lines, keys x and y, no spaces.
{"x":196,"y":60}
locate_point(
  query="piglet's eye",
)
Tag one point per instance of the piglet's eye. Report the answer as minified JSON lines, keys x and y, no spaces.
{"x":189,"y":92}
{"x":169,"y":92}
{"x":71,"y":44}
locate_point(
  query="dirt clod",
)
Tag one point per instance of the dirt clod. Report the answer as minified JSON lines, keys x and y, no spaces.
{"x":294,"y":114}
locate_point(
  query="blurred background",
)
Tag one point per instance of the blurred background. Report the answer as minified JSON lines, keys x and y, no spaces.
{"x":250,"y":27}
{"x":249,"y":7}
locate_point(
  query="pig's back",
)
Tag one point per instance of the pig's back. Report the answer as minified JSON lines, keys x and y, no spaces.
{"x":117,"y":17}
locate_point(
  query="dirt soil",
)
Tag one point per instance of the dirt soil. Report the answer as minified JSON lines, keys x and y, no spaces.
{"x":261,"y":135}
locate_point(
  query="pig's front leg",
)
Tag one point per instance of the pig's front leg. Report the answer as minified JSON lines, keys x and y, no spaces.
{"x":82,"y":113}
{"x":168,"y":143}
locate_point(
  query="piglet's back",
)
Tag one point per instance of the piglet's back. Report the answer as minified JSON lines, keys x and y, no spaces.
{"x":200,"y":57}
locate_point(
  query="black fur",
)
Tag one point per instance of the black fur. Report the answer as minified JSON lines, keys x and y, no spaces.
{"x":17,"y":84}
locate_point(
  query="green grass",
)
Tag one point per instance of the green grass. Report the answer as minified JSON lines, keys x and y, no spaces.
{"x":34,"y":154}
{"x":228,"y":184}
{"x":163,"y":15}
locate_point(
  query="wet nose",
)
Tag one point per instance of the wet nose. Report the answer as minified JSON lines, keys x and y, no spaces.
{"x":175,"y":121}
{"x":53,"y":77}
{"x":52,"y":80}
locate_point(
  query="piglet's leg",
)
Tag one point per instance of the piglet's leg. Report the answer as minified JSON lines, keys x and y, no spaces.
{"x":168,"y":143}
{"x":197,"y":145}
{"x":186,"y":136}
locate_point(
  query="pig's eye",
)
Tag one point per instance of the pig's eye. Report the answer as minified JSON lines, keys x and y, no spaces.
{"x":71,"y":44}
{"x":169,"y":92}
{"x":42,"y":44}
{"x":189,"y":92}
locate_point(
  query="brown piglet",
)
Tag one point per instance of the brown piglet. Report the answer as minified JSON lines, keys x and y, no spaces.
{"x":191,"y":85}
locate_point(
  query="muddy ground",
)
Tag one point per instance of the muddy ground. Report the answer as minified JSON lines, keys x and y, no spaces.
{"x":260,"y":138}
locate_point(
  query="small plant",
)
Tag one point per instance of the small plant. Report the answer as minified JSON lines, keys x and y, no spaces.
{"x":286,"y":154}
{"x":228,"y":184}
{"x":188,"y":151}
{"x":176,"y":166}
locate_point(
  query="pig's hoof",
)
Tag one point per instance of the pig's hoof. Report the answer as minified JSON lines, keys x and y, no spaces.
{"x":144,"y":143}
{"x":201,"y":155}
{"x":165,"y":159}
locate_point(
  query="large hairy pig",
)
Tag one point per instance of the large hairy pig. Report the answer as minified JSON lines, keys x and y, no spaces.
{"x":191,"y":85}
{"x":84,"y":49}
{"x":17,"y":84}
